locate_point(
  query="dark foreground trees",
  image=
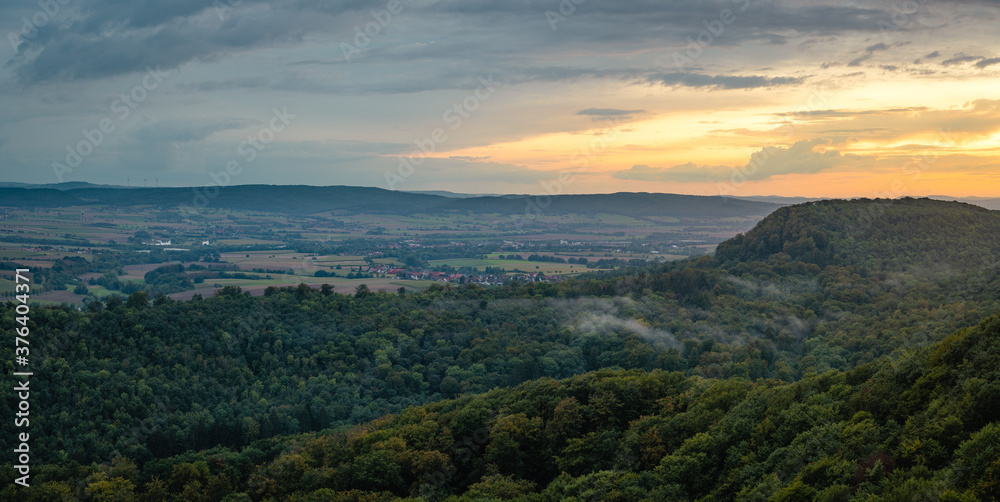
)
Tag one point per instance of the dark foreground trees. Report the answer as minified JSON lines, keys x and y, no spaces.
{"x":924,"y":426}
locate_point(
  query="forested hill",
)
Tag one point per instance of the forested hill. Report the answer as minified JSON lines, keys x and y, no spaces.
{"x":925,"y":426}
{"x":877,"y":234}
{"x":354,"y":200}
{"x":837,"y":283}
{"x":145,"y":381}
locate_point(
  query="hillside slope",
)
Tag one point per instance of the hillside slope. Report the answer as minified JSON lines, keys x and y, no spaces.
{"x":884,"y":234}
{"x":823,"y":288}
{"x":923,"y":427}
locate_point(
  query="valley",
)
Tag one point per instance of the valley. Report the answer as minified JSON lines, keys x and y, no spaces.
{"x":836,"y":352}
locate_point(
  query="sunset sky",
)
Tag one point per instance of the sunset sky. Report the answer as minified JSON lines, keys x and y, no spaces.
{"x":740,"y":97}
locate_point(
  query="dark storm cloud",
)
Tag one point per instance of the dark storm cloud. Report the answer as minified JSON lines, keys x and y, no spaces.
{"x":762,"y":14}
{"x":104,"y":38}
{"x":110,"y":37}
{"x":452,"y":78}
{"x":672,"y":79}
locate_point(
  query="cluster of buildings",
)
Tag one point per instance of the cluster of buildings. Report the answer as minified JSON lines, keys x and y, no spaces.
{"x":481,"y":279}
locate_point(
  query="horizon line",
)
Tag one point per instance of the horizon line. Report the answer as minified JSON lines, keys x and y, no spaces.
{"x":425,"y":191}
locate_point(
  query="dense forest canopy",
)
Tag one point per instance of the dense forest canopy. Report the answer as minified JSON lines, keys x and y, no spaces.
{"x":920,"y":427}
{"x":815,"y":356}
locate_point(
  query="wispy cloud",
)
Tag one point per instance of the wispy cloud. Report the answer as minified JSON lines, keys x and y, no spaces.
{"x":804,"y":157}
{"x":722,"y":81}
{"x":608,"y":112}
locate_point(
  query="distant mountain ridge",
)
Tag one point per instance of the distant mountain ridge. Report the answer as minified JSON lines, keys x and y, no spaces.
{"x":68,"y":185}
{"x":312,"y":199}
{"x":304,"y":199}
{"x":777,"y":199}
{"x":992,"y":203}
{"x":987,"y":202}
{"x":457,"y":195}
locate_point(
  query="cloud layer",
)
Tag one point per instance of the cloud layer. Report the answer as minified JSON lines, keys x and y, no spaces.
{"x":804,"y":157}
{"x":636,"y":94}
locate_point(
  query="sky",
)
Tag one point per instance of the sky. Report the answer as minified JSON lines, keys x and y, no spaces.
{"x":712,"y":97}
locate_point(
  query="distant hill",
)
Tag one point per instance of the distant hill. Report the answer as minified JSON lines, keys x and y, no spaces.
{"x":454,"y":195}
{"x":777,"y":199}
{"x":301,"y":199}
{"x":878,"y":233}
{"x":992,"y":203}
{"x":310,"y":199}
{"x":635,"y":204}
{"x":987,"y":202}
{"x":836,"y":283}
{"x":32,"y":198}
{"x":69,"y":185}
{"x":284,"y":198}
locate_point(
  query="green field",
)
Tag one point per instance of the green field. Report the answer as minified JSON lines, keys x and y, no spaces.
{"x":268,"y":242}
{"x":19,"y":254}
{"x":100,"y":291}
{"x":346,"y":286}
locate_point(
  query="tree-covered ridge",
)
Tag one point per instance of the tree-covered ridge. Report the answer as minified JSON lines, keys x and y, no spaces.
{"x":878,"y":234}
{"x":920,"y":427}
{"x":149,"y":381}
{"x":830,"y":284}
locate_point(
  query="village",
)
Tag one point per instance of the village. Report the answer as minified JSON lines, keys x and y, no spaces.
{"x":492,"y":278}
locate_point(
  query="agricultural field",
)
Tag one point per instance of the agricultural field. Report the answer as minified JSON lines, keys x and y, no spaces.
{"x":253,"y":249}
{"x":345,"y":286}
